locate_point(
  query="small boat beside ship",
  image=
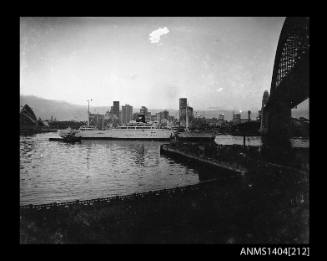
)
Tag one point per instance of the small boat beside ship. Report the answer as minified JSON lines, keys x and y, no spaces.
{"x":69,"y":135}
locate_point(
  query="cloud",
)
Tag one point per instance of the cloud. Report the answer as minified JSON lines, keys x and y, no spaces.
{"x":219,"y":90}
{"x":132,"y":76}
{"x":154,"y":37}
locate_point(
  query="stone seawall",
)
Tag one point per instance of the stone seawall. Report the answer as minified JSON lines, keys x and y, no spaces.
{"x":234,"y":168}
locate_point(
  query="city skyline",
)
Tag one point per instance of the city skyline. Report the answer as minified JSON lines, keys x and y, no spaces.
{"x":223,"y":62}
{"x":302,"y":110}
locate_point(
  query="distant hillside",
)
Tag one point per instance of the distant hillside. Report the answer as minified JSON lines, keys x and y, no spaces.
{"x":61,"y":110}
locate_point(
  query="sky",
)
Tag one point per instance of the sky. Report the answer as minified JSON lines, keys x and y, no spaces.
{"x":215,"y":62}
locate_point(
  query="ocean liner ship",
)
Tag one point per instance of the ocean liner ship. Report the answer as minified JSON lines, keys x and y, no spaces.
{"x":138,"y":130}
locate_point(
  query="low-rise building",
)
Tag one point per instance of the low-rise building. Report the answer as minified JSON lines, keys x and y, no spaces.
{"x":236,"y":118}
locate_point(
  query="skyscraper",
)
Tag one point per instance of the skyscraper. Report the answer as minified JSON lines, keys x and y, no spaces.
{"x":182,"y":104}
{"x":115,"y":108}
{"x":182,"y":111}
{"x":127,"y":113}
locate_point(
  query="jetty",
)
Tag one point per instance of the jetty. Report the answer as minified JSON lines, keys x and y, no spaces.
{"x":206,"y":161}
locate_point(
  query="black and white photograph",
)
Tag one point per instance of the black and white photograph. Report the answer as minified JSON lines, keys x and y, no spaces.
{"x":164,"y":130}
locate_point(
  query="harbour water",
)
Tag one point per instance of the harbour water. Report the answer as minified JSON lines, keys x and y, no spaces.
{"x":58,"y":171}
{"x":256,"y":141}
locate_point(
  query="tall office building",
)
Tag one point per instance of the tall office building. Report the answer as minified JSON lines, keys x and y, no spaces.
{"x":127,"y":113}
{"x":182,"y":105}
{"x":182,"y":111}
{"x":115,"y":108}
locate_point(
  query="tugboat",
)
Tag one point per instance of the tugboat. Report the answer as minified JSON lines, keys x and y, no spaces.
{"x":69,"y":135}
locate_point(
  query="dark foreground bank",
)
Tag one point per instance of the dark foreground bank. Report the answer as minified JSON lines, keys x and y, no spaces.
{"x":263,"y":206}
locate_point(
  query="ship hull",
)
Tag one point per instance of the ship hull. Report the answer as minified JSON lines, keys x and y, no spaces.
{"x":152,"y":134}
{"x":122,"y":138}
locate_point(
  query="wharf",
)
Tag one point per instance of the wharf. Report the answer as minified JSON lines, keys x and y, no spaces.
{"x":166,"y":149}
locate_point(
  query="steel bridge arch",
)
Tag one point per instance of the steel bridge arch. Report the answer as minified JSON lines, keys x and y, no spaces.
{"x":289,"y":85}
{"x":293,"y":46}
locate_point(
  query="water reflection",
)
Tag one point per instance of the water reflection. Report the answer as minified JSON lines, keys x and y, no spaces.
{"x":139,"y":155}
{"x":256,"y":141}
{"x":88,"y":157}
